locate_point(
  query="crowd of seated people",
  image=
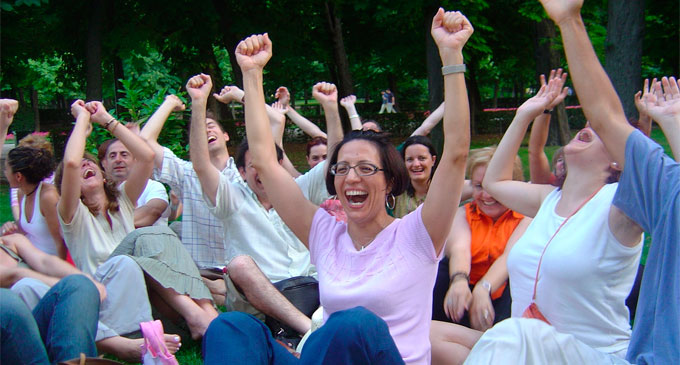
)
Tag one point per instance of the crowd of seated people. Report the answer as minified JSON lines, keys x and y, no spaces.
{"x":406,"y":260}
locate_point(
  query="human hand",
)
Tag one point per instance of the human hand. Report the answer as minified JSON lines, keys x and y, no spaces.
{"x":77,"y":108}
{"x":8,"y":107}
{"x":177,"y":103}
{"x":229,"y":93}
{"x":100,"y":288}
{"x":560,"y":78}
{"x":283,"y":96}
{"x":644,"y":122}
{"x":348,"y":101}
{"x":481,"y":310}
{"x":457,"y":300}
{"x":325,"y":93}
{"x":9,"y":228}
{"x":98,"y":113}
{"x":663,"y":104}
{"x":450,"y":31}
{"x":535,"y":105}
{"x":280,"y":108}
{"x":254,"y":52}
{"x":559,"y":10}
{"x":199,"y":87}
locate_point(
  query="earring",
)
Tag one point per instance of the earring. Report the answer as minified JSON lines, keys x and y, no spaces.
{"x":615,"y":165}
{"x":390,"y":199}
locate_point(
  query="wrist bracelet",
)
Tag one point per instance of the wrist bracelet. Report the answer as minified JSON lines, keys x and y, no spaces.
{"x":354,"y":116}
{"x":460,"y":273}
{"x":106,"y":126}
{"x":114,"y":127}
{"x":547,"y":111}
{"x":453,"y":69}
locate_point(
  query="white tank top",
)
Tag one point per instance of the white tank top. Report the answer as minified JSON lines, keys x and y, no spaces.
{"x":586,"y":274}
{"x":37,"y":231}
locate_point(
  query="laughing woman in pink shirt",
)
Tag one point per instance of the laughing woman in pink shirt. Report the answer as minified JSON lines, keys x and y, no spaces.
{"x":386,"y":266}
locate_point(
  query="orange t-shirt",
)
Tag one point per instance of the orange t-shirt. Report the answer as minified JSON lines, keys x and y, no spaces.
{"x":488,"y":240}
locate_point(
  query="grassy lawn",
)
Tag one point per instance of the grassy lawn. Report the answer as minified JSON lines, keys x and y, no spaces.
{"x":190,"y":353}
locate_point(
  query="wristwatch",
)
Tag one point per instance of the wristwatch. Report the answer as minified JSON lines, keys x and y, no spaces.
{"x":486,"y":285}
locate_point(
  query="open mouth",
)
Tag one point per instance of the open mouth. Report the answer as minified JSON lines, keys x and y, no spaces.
{"x":356,"y":197}
{"x":212,"y":139}
{"x":585,"y":136}
{"x":89,"y":173}
{"x":489,"y":203}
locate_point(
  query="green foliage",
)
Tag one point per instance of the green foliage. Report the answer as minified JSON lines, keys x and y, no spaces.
{"x":10,"y":5}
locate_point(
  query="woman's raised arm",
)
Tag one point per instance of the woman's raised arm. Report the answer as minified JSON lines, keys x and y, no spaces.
{"x":450,"y":31}
{"x":73,"y":157}
{"x":143,"y":167}
{"x":519,"y":196}
{"x":297,"y":212}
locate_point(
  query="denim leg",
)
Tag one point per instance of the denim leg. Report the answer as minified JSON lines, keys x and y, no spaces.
{"x":240,"y":338}
{"x":20,"y":341}
{"x":67,"y":318}
{"x":352,"y":336}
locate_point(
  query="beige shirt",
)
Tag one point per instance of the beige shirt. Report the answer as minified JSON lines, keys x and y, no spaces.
{"x":90,"y":239}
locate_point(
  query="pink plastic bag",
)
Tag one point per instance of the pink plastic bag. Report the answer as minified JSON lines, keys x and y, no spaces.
{"x":154,"y":351}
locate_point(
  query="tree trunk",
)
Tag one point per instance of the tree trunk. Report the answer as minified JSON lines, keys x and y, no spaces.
{"x":548,"y":58}
{"x":340,"y":67}
{"x":623,"y":51}
{"x":36,"y":110}
{"x":474,"y":97}
{"x":230,"y":39}
{"x":93,"y":52}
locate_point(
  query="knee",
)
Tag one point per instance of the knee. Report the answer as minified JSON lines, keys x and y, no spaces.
{"x":234,"y":323}
{"x":240,"y":267}
{"x":80,"y":285}
{"x":358,"y":320}
{"x":119,"y":265}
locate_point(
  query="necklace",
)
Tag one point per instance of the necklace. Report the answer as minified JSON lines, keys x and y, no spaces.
{"x":34,"y":189}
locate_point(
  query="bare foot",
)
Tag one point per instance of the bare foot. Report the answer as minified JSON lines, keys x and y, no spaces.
{"x":173,"y":343}
{"x":130,"y":350}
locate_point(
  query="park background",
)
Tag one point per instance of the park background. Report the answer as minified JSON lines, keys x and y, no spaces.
{"x":130,"y":54}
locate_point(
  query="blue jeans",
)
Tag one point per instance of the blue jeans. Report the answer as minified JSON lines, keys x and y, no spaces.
{"x":62,"y":325}
{"x":352,"y":336}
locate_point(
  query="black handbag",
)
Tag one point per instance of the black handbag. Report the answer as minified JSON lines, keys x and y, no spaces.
{"x":303,"y":293}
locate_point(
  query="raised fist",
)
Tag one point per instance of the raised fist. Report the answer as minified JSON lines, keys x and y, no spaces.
{"x":77,"y":108}
{"x":99,"y":113}
{"x":325,"y":93}
{"x":348,"y":100}
{"x":199,"y":87}
{"x":253,"y":52}
{"x":283,"y":95}
{"x":176,"y":102}
{"x":450,"y":30}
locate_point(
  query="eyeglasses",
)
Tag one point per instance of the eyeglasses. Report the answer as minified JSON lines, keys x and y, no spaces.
{"x":361,"y":169}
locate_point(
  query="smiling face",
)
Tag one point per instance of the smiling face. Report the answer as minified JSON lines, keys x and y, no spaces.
{"x":587,"y":149}
{"x":118,"y":161}
{"x":362,"y":197}
{"x":316,"y":154}
{"x":217,"y":139}
{"x":250,"y":175}
{"x":419,"y":162}
{"x":91,"y":177}
{"x":486,"y":203}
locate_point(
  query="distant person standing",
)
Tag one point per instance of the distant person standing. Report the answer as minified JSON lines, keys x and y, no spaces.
{"x":387,"y":102}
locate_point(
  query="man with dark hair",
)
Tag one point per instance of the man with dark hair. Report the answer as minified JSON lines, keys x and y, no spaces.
{"x":261,"y":249}
{"x":201,"y":233}
{"x":152,"y":206}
